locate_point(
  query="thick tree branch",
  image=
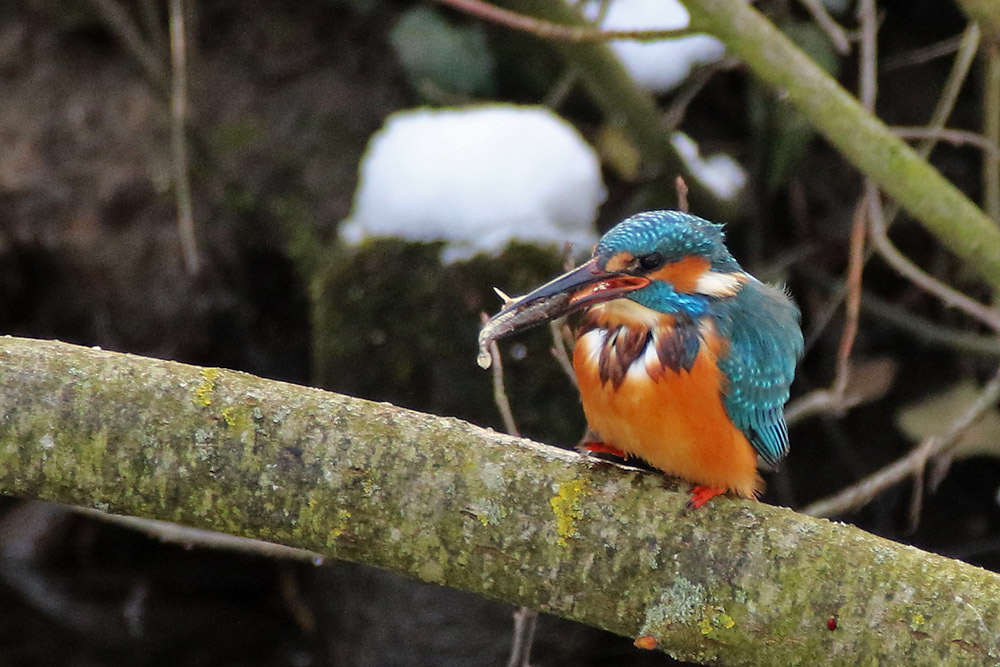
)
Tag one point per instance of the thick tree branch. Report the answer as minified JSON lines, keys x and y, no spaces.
{"x":737,"y":583}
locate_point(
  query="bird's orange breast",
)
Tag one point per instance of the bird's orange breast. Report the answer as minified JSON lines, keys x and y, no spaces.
{"x":675,"y":420}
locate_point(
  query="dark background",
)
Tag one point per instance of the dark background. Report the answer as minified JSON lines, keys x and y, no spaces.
{"x":284,"y":98}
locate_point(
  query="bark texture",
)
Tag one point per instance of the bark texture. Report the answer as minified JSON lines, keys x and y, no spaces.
{"x":737,"y":583}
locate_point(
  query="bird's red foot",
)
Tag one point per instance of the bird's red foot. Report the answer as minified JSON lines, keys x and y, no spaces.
{"x":702,"y":494}
{"x":603,"y":448}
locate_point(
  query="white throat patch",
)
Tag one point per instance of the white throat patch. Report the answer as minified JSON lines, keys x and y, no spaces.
{"x":721,"y":285}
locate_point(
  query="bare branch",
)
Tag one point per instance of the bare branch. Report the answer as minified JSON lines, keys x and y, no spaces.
{"x":171,"y":533}
{"x":821,"y":401}
{"x":500,"y":394}
{"x":991,"y":128}
{"x":121,"y":23}
{"x":150,"y":12}
{"x":967,"y":48}
{"x":525,"y":618}
{"x":178,"y":138}
{"x":548,"y":30}
{"x":862,"y":493}
{"x":867,"y":63}
{"x":954,"y":137}
{"x":925,"y":330}
{"x":862,"y":138}
{"x":560,"y":350}
{"x":922,"y":55}
{"x":951,"y":297}
{"x":525,"y":624}
{"x":682,"y":194}
{"x":852,"y":305}
{"x":832,"y":29}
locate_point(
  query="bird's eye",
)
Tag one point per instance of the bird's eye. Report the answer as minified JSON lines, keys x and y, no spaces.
{"x":650,"y":262}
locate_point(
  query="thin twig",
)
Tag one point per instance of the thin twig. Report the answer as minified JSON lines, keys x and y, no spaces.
{"x":561,"y":89}
{"x":923,"y":54}
{"x":525,"y":618}
{"x":966,"y":54}
{"x":991,"y":128}
{"x":682,"y":194}
{"x":500,"y":393}
{"x":562,"y":338}
{"x":291,"y":594}
{"x":916,"y":499}
{"x":150,"y":12}
{"x":564,"y":85}
{"x":967,"y":45}
{"x":822,"y":315}
{"x":820,"y":401}
{"x":921,"y":328}
{"x":852,"y":305}
{"x":867,"y":64}
{"x":121,"y":23}
{"x":525,"y":624}
{"x":172,"y":533}
{"x":954,"y":137}
{"x":931,"y":332}
{"x":832,"y":29}
{"x":178,"y":138}
{"x":951,"y":297}
{"x":856,"y":254}
{"x":862,"y":493}
{"x":689,"y":89}
{"x":547,"y":30}
{"x":560,"y":350}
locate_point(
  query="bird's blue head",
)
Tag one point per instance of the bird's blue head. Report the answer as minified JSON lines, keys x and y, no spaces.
{"x":671,"y":262}
{"x":670,"y":236}
{"x":683,"y":257}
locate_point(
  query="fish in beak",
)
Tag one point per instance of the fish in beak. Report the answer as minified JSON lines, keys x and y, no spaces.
{"x":575,"y":290}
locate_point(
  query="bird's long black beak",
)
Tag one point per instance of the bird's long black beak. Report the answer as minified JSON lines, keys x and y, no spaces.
{"x":584,"y":286}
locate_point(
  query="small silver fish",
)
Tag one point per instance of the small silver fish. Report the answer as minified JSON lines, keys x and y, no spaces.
{"x":574,"y":290}
{"x":518,"y":314}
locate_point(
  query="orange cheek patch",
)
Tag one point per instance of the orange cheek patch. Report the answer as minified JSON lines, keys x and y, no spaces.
{"x":683,"y":275}
{"x":619,"y":262}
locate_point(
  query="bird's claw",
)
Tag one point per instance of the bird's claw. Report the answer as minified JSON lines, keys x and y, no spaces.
{"x":701,"y":495}
{"x":602,"y":448}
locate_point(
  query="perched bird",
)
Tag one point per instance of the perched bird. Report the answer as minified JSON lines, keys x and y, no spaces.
{"x":683,"y":359}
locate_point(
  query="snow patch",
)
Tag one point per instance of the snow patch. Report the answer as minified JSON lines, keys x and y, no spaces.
{"x":719,"y":173}
{"x":662,"y":65}
{"x":477,"y":177}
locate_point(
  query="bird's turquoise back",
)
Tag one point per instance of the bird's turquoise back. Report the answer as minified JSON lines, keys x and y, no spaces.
{"x":761,"y":324}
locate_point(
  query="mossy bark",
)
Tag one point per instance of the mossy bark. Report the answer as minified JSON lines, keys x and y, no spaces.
{"x":737,"y":582}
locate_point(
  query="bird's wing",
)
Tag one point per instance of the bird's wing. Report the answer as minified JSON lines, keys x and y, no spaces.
{"x":765,"y":342}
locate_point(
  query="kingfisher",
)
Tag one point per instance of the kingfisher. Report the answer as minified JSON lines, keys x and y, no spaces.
{"x":683,"y":359}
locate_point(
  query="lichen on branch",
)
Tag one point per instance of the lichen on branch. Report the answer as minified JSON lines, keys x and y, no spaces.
{"x":737,"y":582}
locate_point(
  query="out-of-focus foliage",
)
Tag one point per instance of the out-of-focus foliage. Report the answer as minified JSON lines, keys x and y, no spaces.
{"x":442,"y":57}
{"x":931,"y":417}
{"x":782,"y":135}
